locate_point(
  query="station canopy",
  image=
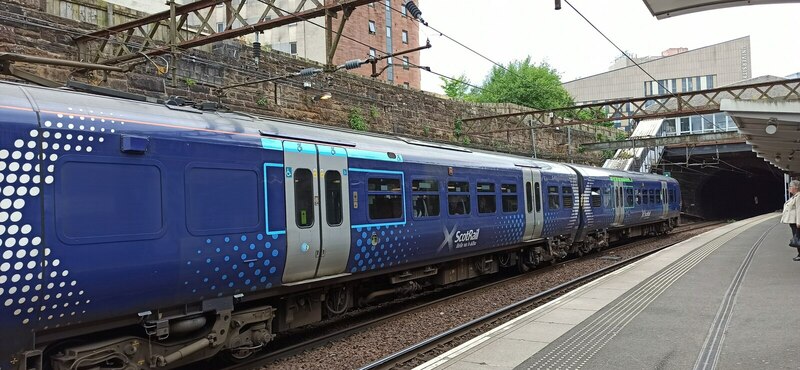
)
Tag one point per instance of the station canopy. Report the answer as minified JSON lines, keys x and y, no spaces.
{"x":669,"y":8}
{"x":772,"y":127}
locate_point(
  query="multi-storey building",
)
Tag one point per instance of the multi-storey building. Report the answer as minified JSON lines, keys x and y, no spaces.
{"x":677,"y":70}
{"x":377,"y":29}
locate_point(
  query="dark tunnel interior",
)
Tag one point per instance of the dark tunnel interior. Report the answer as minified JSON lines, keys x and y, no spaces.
{"x":736,"y":195}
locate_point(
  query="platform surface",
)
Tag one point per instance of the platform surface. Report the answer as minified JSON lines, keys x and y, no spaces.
{"x":727,"y":299}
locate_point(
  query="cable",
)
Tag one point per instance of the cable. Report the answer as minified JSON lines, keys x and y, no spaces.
{"x":637,"y":64}
{"x":457,"y":42}
{"x":371,"y":47}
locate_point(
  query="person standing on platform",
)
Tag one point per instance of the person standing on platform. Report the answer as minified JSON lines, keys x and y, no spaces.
{"x":791,"y":213}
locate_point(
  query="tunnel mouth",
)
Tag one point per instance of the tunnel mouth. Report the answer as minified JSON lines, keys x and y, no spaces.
{"x":740,"y":194}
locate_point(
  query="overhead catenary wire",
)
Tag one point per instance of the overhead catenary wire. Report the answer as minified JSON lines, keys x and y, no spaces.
{"x":637,"y":64}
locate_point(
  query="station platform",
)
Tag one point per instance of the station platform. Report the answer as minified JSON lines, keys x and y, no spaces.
{"x":724,"y":299}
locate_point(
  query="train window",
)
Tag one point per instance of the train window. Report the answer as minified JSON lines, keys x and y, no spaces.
{"x":607,"y":197}
{"x":644,"y":198}
{"x":487,"y":200}
{"x":95,"y":204}
{"x":660,"y":198}
{"x":333,"y":198}
{"x":458,"y":187}
{"x":426,"y":198}
{"x":596,"y":200}
{"x":536,"y":191}
{"x":528,"y":197}
{"x":385,"y":198}
{"x":509,"y":192}
{"x":425,"y":185}
{"x":639,"y":196}
{"x":567,"y":197}
{"x":426,"y":205}
{"x":652,"y":196}
{"x":552,"y":197}
{"x":628,"y":197}
{"x":303,"y":198}
{"x":383,"y":184}
{"x":458,"y":204}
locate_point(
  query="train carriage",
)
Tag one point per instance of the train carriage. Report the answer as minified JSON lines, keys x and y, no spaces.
{"x":127,"y":222}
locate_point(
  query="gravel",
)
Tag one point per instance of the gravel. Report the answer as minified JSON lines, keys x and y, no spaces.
{"x":386,"y":338}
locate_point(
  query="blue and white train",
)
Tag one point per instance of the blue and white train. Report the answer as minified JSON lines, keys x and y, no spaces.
{"x":138,"y":235}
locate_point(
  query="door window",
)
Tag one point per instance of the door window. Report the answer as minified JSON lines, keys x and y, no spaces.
{"x":303,"y":198}
{"x":333,"y":198}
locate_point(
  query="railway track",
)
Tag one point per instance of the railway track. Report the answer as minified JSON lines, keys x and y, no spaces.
{"x":290,"y":347}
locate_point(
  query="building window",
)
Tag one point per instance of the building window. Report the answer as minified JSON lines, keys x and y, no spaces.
{"x":403,"y":10}
{"x":405,"y":36}
{"x":406,"y":85}
{"x":388,"y":31}
{"x":385,"y":198}
{"x":293,"y":48}
{"x":371,"y":27}
{"x":220,"y":26}
{"x":372,"y":53}
{"x":405,"y":63}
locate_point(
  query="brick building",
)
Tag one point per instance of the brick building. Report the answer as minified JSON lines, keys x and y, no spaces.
{"x":384,"y":25}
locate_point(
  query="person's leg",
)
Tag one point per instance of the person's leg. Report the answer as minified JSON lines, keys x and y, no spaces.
{"x":794,"y":235}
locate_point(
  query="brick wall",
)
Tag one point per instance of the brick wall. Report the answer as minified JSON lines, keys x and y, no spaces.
{"x":386,"y":108}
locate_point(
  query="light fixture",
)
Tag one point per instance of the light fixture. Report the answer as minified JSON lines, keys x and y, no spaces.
{"x":771,"y":129}
{"x":323,"y":96}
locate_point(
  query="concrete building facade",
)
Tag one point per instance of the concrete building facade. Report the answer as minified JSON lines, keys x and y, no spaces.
{"x":677,"y":70}
{"x":385,"y":26}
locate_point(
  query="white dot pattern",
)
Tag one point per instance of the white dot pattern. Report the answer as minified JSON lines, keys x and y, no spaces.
{"x":23,"y":293}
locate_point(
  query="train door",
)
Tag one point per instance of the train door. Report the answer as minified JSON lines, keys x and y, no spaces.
{"x":534,"y":222}
{"x":335,"y":207}
{"x":664,"y":200}
{"x":315,"y":211}
{"x":619,"y":203}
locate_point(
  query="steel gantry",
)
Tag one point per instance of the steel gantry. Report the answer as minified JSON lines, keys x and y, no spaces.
{"x":168,"y":31}
{"x":660,"y":106}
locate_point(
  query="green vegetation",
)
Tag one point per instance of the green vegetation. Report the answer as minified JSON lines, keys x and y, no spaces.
{"x":457,"y":89}
{"x":189,"y":81}
{"x":262,"y":101}
{"x":374,"y":113}
{"x":356,"y":120}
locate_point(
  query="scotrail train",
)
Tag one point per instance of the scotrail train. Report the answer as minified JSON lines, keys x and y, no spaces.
{"x":139,"y":235}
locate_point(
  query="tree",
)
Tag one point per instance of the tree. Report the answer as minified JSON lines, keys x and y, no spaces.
{"x":457,"y":88}
{"x":525,"y":83}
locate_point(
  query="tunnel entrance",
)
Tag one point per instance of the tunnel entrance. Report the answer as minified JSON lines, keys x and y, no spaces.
{"x":725,"y":184}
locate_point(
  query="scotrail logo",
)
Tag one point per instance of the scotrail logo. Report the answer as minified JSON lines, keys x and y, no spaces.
{"x":459,"y":239}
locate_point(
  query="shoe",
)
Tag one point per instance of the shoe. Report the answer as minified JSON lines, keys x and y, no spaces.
{"x":796,"y":258}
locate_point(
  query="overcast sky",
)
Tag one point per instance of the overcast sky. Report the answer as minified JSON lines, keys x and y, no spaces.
{"x":506,"y":30}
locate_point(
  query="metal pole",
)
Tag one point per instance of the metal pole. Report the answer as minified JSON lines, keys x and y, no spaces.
{"x":173,"y":24}
{"x":569,"y":144}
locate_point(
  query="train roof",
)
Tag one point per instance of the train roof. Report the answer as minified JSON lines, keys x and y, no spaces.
{"x":247,"y":130}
